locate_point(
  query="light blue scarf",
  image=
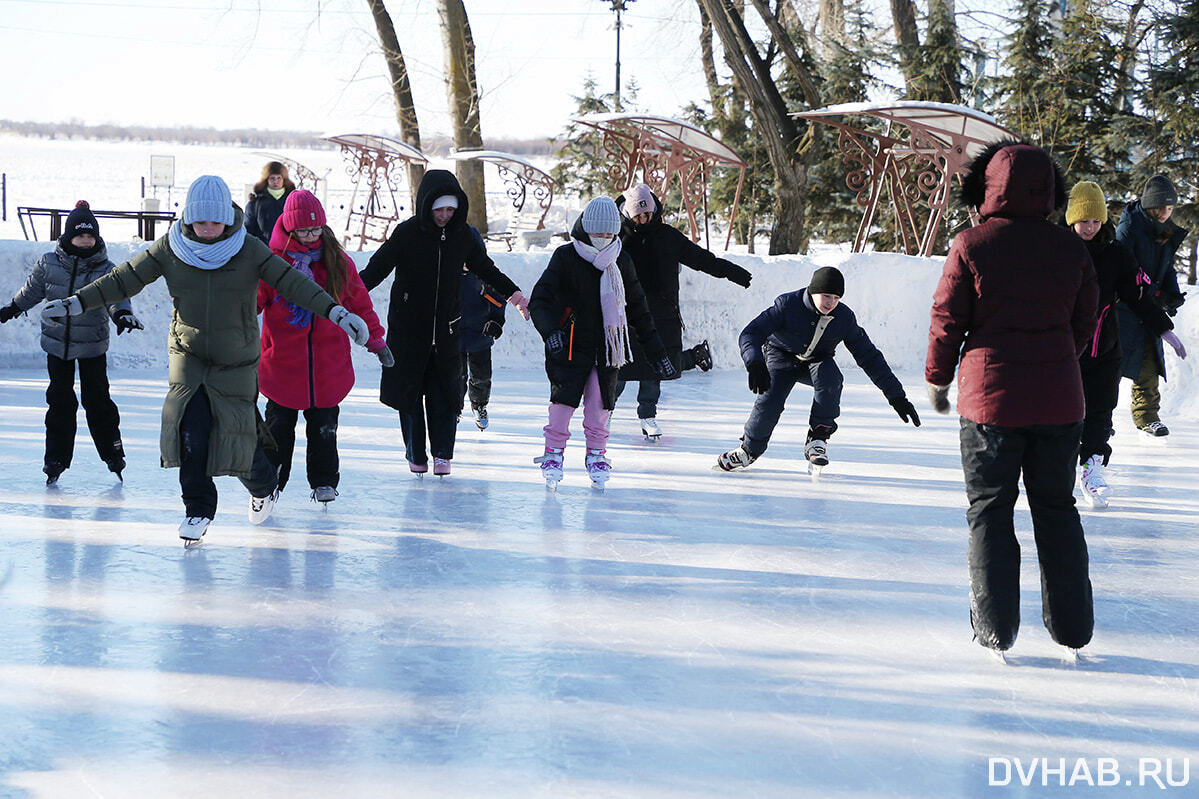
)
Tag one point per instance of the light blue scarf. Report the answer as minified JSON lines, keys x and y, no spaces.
{"x":204,"y":255}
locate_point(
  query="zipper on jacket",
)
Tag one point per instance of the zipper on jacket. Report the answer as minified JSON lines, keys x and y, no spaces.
{"x":437,"y":289}
{"x":311,"y":365}
{"x":66,"y":342}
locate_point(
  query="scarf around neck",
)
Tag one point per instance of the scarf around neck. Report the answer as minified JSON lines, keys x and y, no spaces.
{"x":617,"y":350}
{"x":302,"y":262}
{"x":204,"y":255}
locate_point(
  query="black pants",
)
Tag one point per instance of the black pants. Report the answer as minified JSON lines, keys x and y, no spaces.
{"x":826,"y":381}
{"x":476,"y":377}
{"x":993,"y":459}
{"x":648,"y":394}
{"x":441,"y":413}
{"x":1101,"y":387}
{"x":198,"y":488}
{"x":321,"y":433}
{"x":103,"y":419}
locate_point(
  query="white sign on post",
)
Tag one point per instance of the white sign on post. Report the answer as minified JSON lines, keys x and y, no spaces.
{"x":162,"y":170}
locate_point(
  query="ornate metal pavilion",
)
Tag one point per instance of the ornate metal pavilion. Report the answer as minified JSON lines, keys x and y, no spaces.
{"x":376,"y":166}
{"x":920,"y":149}
{"x":521,"y":178}
{"x":662,"y":149}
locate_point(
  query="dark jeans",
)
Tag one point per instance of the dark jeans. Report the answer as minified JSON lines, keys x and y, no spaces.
{"x":103,"y":419}
{"x":648,"y":394}
{"x":476,"y":377}
{"x":198,"y":488}
{"x":993,"y":460}
{"x":438,"y":419}
{"x":321,"y":433}
{"x":1101,"y":387}
{"x":824,"y":377}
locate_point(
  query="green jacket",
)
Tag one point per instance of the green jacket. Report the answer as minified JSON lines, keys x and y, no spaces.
{"x":214,"y":339}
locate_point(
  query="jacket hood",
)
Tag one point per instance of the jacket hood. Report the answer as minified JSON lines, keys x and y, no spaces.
{"x":1013,"y":179}
{"x":434,"y":184}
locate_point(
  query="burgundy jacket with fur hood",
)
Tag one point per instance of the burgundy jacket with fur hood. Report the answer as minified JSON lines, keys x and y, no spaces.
{"x":1017,"y":297}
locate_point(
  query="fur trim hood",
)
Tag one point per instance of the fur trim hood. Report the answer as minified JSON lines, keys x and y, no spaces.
{"x":1013,"y":179}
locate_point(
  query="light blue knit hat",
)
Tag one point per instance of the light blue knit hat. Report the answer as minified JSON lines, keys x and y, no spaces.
{"x":601,"y":216}
{"x":208,"y":200}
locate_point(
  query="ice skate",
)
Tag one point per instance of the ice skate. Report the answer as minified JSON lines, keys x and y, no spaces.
{"x":1154,"y":429}
{"x":650,"y":429}
{"x":551,"y":467}
{"x":116,"y":466}
{"x":480,"y":417}
{"x":1090,"y":480}
{"x":737,"y":458}
{"x":53,"y":472}
{"x":816,"y":450}
{"x":441,"y":466}
{"x":261,"y":507}
{"x":418,"y":468}
{"x":192,"y":529}
{"x":997,"y":654}
{"x":324,"y":495}
{"x":599,"y":468}
{"x":703,"y":356}
{"x":1072,"y":656}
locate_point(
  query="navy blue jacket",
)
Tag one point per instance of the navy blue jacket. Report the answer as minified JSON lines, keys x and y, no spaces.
{"x":262,"y":211}
{"x":1139,"y":232}
{"x":788,"y":326}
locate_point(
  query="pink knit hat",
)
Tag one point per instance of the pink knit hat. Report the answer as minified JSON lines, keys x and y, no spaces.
{"x":639,"y":200}
{"x":302,"y":210}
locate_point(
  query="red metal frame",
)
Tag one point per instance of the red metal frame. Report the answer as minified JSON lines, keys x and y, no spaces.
{"x":375,"y":164}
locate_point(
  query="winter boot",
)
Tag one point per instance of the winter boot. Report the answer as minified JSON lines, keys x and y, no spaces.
{"x":737,"y":458}
{"x":481,"y":417}
{"x":261,"y":507}
{"x":551,"y":466}
{"x":599,"y":468}
{"x":441,"y":466}
{"x":702,"y":355}
{"x":650,"y":429}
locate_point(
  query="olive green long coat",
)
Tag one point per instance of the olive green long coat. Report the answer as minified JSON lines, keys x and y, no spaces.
{"x":214,"y":340}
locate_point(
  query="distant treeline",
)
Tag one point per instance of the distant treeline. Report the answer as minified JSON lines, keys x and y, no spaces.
{"x":250,"y":137}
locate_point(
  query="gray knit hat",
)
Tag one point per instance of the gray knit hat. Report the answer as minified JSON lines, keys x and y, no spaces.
{"x":1158,"y":193}
{"x":208,"y":200}
{"x":601,"y":216}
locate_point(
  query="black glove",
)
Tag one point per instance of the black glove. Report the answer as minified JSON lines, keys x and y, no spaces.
{"x":938,"y":396}
{"x":555,"y":343}
{"x":385,"y":357}
{"x":493,"y":329}
{"x":903,"y":406}
{"x":1171,"y":302}
{"x":735,"y":273}
{"x":759,"y":377}
{"x":663,"y":367}
{"x":125,"y":320}
{"x":8,"y":312}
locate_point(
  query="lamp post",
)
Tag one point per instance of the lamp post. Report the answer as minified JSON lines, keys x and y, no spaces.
{"x":619,"y":7}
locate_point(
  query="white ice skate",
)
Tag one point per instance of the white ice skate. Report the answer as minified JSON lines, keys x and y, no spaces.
{"x":734,"y":459}
{"x":551,"y":467}
{"x":192,"y":530}
{"x":480,"y":418}
{"x":816,"y":451}
{"x":261,"y":507}
{"x":599,"y":468}
{"x":1090,"y":480}
{"x":650,"y":429}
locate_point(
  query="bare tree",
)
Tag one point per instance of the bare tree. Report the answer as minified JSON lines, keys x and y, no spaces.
{"x":462,"y":90}
{"x":401,"y":89}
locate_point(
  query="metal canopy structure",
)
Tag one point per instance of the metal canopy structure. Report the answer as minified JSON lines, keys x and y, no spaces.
{"x":519,"y":176}
{"x":661,"y":149}
{"x":921,"y":148}
{"x":376,"y":165}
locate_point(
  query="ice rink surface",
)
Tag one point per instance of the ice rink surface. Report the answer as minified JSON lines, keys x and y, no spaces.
{"x":685,"y":633}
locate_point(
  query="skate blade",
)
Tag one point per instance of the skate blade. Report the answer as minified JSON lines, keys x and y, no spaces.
{"x":1071,"y":657}
{"x":192,"y":543}
{"x":814,"y":470}
{"x":1096,"y":501}
{"x":997,"y":654}
{"x":652,"y":439}
{"x":551,"y":486}
{"x":598,"y":485}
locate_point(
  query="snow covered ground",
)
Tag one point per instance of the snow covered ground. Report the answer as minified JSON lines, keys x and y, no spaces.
{"x":685,"y":633}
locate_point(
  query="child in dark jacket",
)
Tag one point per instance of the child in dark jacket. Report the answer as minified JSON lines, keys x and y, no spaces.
{"x":582,"y":306}
{"x":79,"y":258}
{"x":1120,"y":278}
{"x":306,"y":362}
{"x":482,"y":324}
{"x":794,"y":341}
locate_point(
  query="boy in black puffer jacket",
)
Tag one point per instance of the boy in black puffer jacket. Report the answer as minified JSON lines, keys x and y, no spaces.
{"x":80,"y":257}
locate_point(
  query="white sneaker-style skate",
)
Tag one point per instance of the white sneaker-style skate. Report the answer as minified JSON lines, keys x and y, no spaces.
{"x":551,"y":467}
{"x":480,"y":418}
{"x":192,"y":529}
{"x":599,"y":468}
{"x":261,"y":507}
{"x":1090,"y":480}
{"x":650,"y":429}
{"x":734,"y":459}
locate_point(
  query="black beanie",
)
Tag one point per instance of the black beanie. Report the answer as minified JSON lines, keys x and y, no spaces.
{"x":827,"y":280}
{"x":1158,"y":193}
{"x":81,"y":220}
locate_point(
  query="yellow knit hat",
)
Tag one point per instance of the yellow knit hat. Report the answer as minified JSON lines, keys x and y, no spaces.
{"x":1086,"y":202}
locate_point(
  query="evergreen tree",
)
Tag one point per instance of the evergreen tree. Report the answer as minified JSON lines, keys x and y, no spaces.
{"x":1024,"y":92}
{"x":582,"y":166}
{"x":939,"y":73}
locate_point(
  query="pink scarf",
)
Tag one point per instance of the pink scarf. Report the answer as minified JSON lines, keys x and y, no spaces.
{"x":617,"y":350}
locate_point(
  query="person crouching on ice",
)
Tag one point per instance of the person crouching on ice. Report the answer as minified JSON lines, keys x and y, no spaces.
{"x":794,"y":341}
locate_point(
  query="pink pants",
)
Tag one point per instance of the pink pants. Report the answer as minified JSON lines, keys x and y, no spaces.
{"x":595,"y":419}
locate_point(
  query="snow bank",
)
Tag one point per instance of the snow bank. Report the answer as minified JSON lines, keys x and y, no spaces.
{"x":890,"y":294}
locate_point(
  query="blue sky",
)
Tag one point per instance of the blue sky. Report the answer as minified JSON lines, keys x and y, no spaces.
{"x":280,"y":64}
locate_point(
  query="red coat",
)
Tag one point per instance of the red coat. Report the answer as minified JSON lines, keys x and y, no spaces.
{"x":305,"y":359}
{"x":1016,"y":301}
